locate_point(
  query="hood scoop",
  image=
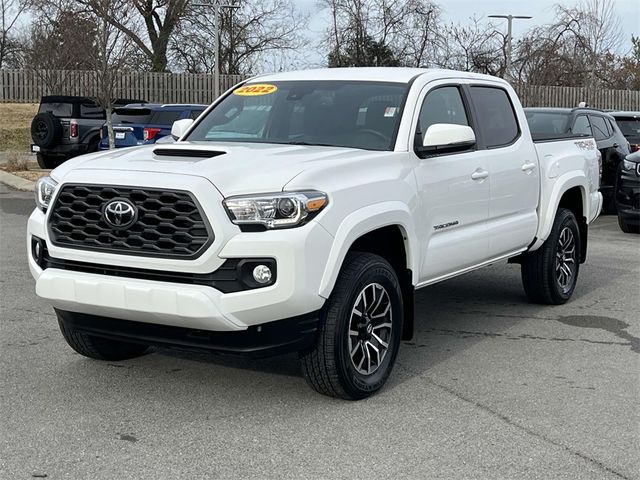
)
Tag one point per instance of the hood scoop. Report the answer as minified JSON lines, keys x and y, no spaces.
{"x":187,"y":152}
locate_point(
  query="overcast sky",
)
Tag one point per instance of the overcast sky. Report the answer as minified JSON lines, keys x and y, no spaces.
{"x":460,"y":10}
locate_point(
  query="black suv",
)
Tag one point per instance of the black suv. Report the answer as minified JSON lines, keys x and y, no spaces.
{"x":628,"y":194}
{"x":629,"y":123}
{"x":612,"y":144}
{"x":65,"y":127}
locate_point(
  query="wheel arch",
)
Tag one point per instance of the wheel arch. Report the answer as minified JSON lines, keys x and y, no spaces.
{"x":386,"y":230}
{"x":569,"y":192}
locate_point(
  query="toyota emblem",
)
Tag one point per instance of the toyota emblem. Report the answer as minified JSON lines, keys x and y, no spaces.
{"x":120,"y":213}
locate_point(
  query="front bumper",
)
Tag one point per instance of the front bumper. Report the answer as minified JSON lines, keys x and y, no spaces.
{"x":628,"y":197}
{"x":282,"y":336}
{"x":300,"y":254}
{"x":65,"y":150}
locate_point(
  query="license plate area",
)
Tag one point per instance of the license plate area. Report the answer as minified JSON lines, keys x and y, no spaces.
{"x":35,"y":148}
{"x":120,"y":135}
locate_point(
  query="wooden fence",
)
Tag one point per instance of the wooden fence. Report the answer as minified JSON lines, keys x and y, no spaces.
{"x":26,"y":86}
{"x":548,"y":96}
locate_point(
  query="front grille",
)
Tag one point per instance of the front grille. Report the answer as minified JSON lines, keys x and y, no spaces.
{"x":169,"y":224}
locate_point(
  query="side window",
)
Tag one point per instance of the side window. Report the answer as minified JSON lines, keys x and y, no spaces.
{"x":610,"y":128}
{"x":442,"y":105}
{"x":195,"y":114}
{"x":165,"y":117}
{"x":581,"y":126}
{"x":599,"y":127}
{"x":90,"y":110}
{"x":496,"y":117}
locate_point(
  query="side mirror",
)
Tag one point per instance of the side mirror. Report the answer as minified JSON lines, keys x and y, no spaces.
{"x":180,"y":127}
{"x":447,"y":137}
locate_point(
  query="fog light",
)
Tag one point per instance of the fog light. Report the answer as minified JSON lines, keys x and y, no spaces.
{"x":262,"y":274}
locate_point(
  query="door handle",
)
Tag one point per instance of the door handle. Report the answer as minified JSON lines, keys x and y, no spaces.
{"x":479,"y":174}
{"x":528,"y":167}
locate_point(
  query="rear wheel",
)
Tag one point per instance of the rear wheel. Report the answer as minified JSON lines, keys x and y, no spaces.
{"x":549,"y":274}
{"x":46,"y":162}
{"x":362,"y":327}
{"x":96,"y":347}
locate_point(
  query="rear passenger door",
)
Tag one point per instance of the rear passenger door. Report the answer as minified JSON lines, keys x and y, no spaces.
{"x":609,"y":150}
{"x":513,"y":170}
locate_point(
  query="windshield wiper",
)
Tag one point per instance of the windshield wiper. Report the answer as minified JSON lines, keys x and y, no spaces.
{"x":296,"y":142}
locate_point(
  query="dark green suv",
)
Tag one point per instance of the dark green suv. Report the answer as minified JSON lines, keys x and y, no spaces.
{"x":67,"y":126}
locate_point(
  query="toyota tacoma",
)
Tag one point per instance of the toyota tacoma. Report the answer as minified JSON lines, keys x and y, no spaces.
{"x":301,"y":211}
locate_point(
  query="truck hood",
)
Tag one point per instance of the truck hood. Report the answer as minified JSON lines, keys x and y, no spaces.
{"x":234,"y":168}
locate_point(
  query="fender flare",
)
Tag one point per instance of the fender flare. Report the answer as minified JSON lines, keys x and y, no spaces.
{"x":562,"y":185}
{"x":365,"y":220}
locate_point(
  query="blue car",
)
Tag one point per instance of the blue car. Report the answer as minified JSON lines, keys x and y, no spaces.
{"x":145,"y":123}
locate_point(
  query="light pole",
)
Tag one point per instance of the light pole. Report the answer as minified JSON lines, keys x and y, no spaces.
{"x":510,"y":22}
{"x":217,"y":5}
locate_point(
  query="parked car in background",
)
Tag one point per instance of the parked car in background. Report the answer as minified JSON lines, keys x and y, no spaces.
{"x":589,"y":122}
{"x":67,"y":126}
{"x":146,"y":123}
{"x":628,"y":194}
{"x":629,"y":123}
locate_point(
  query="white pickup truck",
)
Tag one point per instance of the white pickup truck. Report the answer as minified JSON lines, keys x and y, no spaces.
{"x":301,"y":211}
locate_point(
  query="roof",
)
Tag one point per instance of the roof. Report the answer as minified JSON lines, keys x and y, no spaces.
{"x":80,"y":99}
{"x":161,"y":106}
{"x":568,"y":111}
{"x":371,"y":74}
{"x":625,"y":114}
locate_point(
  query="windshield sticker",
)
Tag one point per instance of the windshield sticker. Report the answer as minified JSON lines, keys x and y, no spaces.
{"x":390,"y":111}
{"x":255,"y":89}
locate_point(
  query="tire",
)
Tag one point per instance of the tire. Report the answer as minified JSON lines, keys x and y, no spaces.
{"x":338,"y":365}
{"x":99,"y":348}
{"x":93,"y":145}
{"x":45,"y":162}
{"x":625,"y":227}
{"x":544,"y":274}
{"x":46,"y":130}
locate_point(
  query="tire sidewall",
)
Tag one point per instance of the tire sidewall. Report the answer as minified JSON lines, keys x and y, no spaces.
{"x":566,"y":219}
{"x":356,"y":384}
{"x":52,"y":125}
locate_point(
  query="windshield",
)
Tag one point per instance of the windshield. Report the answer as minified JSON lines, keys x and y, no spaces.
{"x":547,"y":124}
{"x":630,"y":127}
{"x":362,"y":115}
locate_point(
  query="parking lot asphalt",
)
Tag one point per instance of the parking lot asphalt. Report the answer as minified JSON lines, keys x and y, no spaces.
{"x":490,"y":387}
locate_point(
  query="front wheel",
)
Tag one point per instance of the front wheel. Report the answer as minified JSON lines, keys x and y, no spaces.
{"x":361,"y":330}
{"x":96,"y":347}
{"x":626,"y":227}
{"x":549,"y":274}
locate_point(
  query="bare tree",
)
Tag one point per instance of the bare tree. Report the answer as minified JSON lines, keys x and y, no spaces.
{"x":10,"y":12}
{"x":579,"y":48}
{"x":113,"y":48}
{"x":476,"y":46}
{"x":256,"y":33}
{"x":381,"y":32}
{"x":148,"y":24}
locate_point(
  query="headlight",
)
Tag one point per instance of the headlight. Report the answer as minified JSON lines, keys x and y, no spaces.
{"x":628,"y":166}
{"x":45,"y":186}
{"x":275,"y":210}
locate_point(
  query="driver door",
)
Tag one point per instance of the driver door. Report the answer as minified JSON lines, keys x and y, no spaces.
{"x":453,"y":190}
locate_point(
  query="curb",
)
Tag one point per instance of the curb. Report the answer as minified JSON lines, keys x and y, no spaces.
{"x":16,"y":182}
